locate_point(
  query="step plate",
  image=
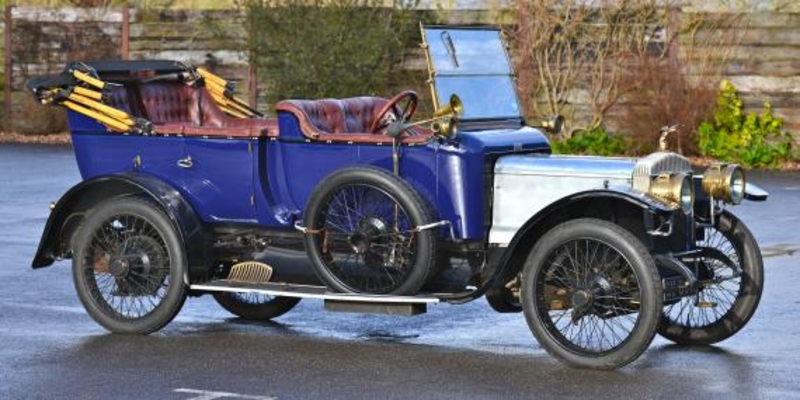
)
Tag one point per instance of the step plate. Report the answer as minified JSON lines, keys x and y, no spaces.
{"x":308,"y":292}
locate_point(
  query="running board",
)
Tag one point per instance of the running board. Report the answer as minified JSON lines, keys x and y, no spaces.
{"x":347,"y":302}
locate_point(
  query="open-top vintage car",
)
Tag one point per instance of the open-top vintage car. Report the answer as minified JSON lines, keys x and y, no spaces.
{"x":188,"y":191}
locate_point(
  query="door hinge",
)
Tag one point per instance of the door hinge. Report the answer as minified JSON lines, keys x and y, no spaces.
{"x":252,"y":200}
{"x":249,"y":147}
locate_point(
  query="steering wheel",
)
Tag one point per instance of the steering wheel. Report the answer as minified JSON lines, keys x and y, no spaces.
{"x":391,"y":111}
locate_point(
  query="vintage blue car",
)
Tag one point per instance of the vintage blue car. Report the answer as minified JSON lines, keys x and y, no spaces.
{"x":188,"y":191}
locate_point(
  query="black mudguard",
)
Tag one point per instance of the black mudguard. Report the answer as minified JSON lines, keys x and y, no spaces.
{"x":503,"y":260}
{"x":71,"y":208}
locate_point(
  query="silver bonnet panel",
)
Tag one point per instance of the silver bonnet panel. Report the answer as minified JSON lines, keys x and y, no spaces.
{"x":566,"y":166}
{"x":526,"y":184}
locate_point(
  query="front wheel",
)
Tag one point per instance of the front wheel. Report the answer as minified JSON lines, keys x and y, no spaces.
{"x":591,"y":294}
{"x":128,"y":266}
{"x":255,"y":306}
{"x":731,"y":278}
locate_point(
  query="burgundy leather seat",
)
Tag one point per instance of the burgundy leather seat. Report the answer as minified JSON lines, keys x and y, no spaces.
{"x":118,"y":99}
{"x":342,"y":119}
{"x":176,"y":108}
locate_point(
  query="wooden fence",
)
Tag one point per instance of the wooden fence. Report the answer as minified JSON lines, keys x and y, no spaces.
{"x":764,"y":64}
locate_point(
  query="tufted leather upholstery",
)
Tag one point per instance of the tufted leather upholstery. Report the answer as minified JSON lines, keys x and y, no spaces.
{"x":118,"y":98}
{"x":176,"y":108}
{"x":170,"y":102}
{"x":341,"y":119}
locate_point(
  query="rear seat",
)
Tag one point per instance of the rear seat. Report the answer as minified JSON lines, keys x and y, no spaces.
{"x":176,"y":108}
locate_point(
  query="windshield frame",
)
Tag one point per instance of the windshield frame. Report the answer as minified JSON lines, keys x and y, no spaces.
{"x":507,"y":72}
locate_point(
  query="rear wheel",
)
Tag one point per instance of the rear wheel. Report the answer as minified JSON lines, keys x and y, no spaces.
{"x":731,"y":279}
{"x":363,"y":235}
{"x":128,"y":266}
{"x":255,"y":306}
{"x":591,"y":294}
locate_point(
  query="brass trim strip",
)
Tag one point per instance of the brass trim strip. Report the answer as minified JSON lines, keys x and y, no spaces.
{"x":431,"y":71}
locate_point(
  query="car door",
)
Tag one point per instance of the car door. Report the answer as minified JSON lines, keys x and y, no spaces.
{"x":218,"y":178}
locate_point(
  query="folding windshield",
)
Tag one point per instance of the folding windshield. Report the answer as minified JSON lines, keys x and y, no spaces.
{"x":472,"y":63}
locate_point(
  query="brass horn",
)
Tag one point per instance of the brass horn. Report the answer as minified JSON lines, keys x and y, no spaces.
{"x":447,"y":128}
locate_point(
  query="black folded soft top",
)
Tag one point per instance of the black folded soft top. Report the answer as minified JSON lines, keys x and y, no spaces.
{"x":112,"y":70}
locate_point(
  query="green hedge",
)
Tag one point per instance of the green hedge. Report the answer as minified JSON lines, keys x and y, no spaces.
{"x":329,"y":48}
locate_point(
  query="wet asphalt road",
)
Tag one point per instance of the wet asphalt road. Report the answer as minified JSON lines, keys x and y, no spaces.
{"x":49,"y":347}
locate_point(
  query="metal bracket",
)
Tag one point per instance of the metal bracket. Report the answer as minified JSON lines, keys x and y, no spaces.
{"x":436,"y":225}
{"x":300,"y":228}
{"x":657,"y":231}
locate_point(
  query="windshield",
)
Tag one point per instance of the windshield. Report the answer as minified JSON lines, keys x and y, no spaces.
{"x":472,"y":63}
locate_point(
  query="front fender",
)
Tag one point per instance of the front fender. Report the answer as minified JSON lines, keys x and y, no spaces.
{"x":71,"y":208}
{"x":613,"y":204}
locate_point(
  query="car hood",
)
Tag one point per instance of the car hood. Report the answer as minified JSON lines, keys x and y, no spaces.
{"x":566,"y":166}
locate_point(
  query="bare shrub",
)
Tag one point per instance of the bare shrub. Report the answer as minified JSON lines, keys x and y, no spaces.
{"x":32,"y":118}
{"x":664,"y":96}
{"x":680,"y":86}
{"x":577,"y":51}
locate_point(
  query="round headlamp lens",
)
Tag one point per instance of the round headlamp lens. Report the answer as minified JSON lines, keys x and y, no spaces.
{"x":737,"y":183}
{"x":687,"y":195}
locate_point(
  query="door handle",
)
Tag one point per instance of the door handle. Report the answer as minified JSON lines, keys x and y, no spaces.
{"x":186,"y":162}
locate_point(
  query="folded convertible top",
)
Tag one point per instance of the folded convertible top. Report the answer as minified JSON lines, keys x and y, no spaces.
{"x":85,"y":87}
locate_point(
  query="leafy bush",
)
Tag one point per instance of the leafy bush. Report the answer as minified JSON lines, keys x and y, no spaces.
{"x":592,"y":142}
{"x":751,"y":140}
{"x":328,"y":48}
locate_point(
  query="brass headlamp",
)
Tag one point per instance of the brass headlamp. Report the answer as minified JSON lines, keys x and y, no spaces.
{"x":725,"y":182}
{"x":676,"y":189}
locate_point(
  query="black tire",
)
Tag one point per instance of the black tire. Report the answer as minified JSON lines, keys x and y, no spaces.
{"x":734,"y":299}
{"x":619,"y":288}
{"x":128,"y":266}
{"x":375,"y":251}
{"x":254,"y":306}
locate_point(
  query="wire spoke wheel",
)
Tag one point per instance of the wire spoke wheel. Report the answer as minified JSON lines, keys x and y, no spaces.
{"x":719,"y":289}
{"x":255,"y":306}
{"x":591,"y":294}
{"x":126,"y":257}
{"x":253,"y":299}
{"x":364,"y":236}
{"x":128,"y":267}
{"x":368,"y":241}
{"x":730,"y":281}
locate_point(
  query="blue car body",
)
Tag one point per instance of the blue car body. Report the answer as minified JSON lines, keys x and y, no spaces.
{"x":267,"y":181}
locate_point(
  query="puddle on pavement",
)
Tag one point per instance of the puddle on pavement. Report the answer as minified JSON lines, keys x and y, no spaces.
{"x":779,"y":250}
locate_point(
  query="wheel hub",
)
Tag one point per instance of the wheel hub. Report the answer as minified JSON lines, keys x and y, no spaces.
{"x":370,"y":230}
{"x":135,"y":269}
{"x":119,"y":268}
{"x":359,"y":242}
{"x":581,"y":299}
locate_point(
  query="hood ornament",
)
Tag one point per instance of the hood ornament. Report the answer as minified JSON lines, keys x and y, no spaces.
{"x":665,"y":131}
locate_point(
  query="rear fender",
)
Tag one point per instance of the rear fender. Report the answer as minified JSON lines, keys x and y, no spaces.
{"x":70,"y":210}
